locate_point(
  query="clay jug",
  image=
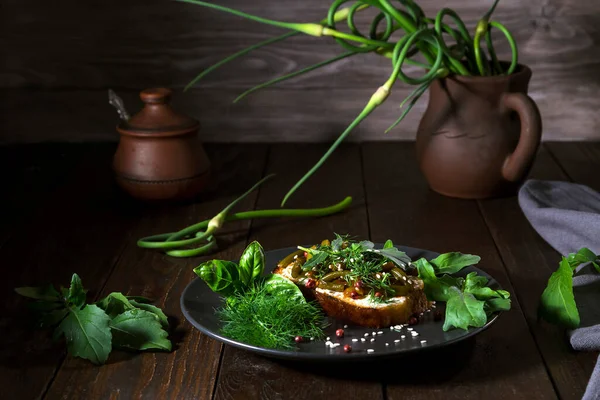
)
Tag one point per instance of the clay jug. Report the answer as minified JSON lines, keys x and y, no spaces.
{"x":479,"y":135}
{"x":159,"y":156}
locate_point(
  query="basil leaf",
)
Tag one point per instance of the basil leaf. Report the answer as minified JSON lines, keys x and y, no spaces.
{"x":596,"y":266}
{"x":557,"y":303}
{"x":463,"y":310}
{"x":115,"y":304}
{"x":498,"y":304}
{"x":162,"y":318}
{"x":279,"y":286}
{"x":139,"y":299}
{"x":252,"y":263}
{"x":139,"y":330}
{"x":87,"y":333}
{"x":317,"y":258}
{"x":221,"y":276}
{"x":76,"y":293}
{"x":450,"y":263}
{"x":47,"y":293}
{"x":476,"y":285}
{"x":582,"y":256}
{"x":388,"y":244}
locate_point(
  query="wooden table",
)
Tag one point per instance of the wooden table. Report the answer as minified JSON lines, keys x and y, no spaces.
{"x":62,"y":214}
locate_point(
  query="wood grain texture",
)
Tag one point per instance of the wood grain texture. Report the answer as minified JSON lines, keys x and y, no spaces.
{"x":247,"y":376}
{"x":190,"y":371}
{"x":580,"y":161}
{"x":81,"y":228}
{"x":529,"y":261}
{"x":52,"y":56}
{"x":402,"y":208}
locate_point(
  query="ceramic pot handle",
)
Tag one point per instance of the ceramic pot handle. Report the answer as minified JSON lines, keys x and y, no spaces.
{"x":517,"y":163}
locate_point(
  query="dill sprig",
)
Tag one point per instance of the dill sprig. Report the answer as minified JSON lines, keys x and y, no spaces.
{"x":262,"y":319}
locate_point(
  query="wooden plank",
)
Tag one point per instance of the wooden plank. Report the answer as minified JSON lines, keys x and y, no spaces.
{"x":580,"y":161}
{"x":244,"y":375}
{"x":68,"y":72}
{"x":28,"y":174}
{"x":190,"y":370}
{"x":501,"y":362}
{"x":275,"y":115}
{"x":80,"y":228}
{"x":529,"y":261}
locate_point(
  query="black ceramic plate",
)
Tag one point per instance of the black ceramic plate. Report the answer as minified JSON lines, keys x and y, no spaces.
{"x":198,"y":303}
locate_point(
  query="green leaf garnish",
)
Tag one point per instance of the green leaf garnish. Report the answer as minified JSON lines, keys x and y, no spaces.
{"x":463,"y":310}
{"x":139,"y":330}
{"x":252,"y":263}
{"x":92,"y":330}
{"x":221,"y":276}
{"x":451,"y":263}
{"x":558,"y":301}
{"x":388,"y":244}
{"x":87,"y":333}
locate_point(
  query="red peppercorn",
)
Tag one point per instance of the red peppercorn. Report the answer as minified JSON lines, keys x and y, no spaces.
{"x":339,"y":333}
{"x":298,"y":339}
{"x":305,"y":254}
{"x":347,"y":348}
{"x":310,"y":283}
{"x":378,"y":294}
{"x":359,"y":284}
{"x":354,"y":295}
{"x":413,"y":321}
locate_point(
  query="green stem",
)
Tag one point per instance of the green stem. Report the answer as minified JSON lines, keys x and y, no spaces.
{"x":293,"y":74}
{"x":238,"y":54}
{"x":165,"y":241}
{"x":511,"y":42}
{"x":376,"y":100}
{"x":488,"y":40}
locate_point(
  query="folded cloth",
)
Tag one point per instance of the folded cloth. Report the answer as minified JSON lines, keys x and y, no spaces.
{"x":567,"y":216}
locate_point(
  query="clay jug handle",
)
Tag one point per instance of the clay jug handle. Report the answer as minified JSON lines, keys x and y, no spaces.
{"x":517,"y":163}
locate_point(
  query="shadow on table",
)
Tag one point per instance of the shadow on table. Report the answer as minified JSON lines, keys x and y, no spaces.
{"x":419,"y":368}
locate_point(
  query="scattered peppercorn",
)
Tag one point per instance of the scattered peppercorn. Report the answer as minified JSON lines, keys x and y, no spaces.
{"x":347,"y":348}
{"x":298,"y":339}
{"x":378,"y":294}
{"x":310,"y":283}
{"x":339,"y":333}
{"x":413,"y":321}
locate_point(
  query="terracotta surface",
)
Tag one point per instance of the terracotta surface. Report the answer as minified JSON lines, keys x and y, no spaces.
{"x":160,"y":156}
{"x":479,"y":135}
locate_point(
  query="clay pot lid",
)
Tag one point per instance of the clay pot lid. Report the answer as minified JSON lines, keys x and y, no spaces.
{"x":157,"y":116}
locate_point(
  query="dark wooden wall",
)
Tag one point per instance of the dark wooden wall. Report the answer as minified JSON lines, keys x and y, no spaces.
{"x":59,"y":59}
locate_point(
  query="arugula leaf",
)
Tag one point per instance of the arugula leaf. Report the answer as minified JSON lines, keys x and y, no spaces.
{"x":115,"y":304}
{"x":162,"y":318}
{"x":451,"y":263}
{"x":139,"y":330}
{"x":557,"y":304}
{"x":76,"y":294}
{"x":276,"y":285}
{"x":336,"y":244}
{"x":497,"y":304}
{"x":87,"y":333}
{"x":221,"y":276}
{"x":388,"y":244}
{"x":463,"y":310}
{"x":47,"y":293}
{"x":252,"y":263}
{"x":435,"y":288}
{"x":584,"y":255}
{"x":366,"y":245}
{"x":317,"y":258}
{"x":398,"y":257}
{"x":476,"y":285}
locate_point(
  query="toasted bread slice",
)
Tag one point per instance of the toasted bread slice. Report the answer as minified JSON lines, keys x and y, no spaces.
{"x":363,"y":312}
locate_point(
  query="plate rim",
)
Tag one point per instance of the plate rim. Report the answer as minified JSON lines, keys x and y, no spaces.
{"x":304,"y":356}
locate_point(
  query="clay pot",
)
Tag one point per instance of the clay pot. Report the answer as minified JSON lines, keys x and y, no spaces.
{"x":159,"y":156}
{"x":479,"y":135}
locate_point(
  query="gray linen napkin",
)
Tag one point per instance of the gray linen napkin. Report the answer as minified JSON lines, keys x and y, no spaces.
{"x":567,"y":216}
